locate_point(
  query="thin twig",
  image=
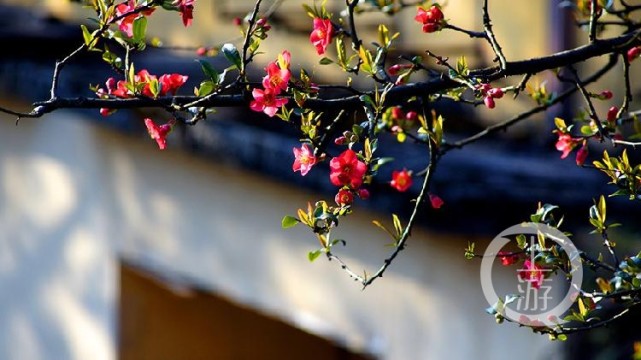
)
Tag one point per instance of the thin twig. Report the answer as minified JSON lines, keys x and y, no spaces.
{"x":487,"y":25}
{"x":507,"y":123}
{"x":431,"y":167}
{"x":588,"y":101}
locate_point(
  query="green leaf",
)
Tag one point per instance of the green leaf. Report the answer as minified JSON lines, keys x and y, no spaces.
{"x":206,"y":87}
{"x":289,"y":221}
{"x":232,"y":55}
{"x":209,"y":71}
{"x":312,"y":255}
{"x":469,"y":251}
{"x":325,"y":61}
{"x":140,"y":29}
{"x":521,"y":241}
{"x":86,"y":36}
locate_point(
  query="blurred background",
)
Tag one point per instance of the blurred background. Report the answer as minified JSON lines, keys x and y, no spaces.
{"x":111,"y":249}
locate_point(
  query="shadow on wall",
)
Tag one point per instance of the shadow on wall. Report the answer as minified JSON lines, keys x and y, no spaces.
{"x":54,"y":272}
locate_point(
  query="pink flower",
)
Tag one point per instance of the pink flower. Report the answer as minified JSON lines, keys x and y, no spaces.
{"x":159,"y":132}
{"x":186,"y":8}
{"x":401,"y":180}
{"x":344,"y":197}
{"x":531,"y":273}
{"x":322,"y":34}
{"x":582,"y":154}
{"x":431,"y":19}
{"x":126,"y":24}
{"x":436,"y":201}
{"x":304,"y":159}
{"x":266,"y":101}
{"x":276,"y":78}
{"x":566,"y":144}
{"x":347,"y":170}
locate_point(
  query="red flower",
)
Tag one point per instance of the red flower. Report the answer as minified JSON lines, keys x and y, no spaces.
{"x":266,"y":101}
{"x":170,"y":83}
{"x":322,"y":34}
{"x":126,"y":24}
{"x":566,"y":144}
{"x":436,"y":201}
{"x":431,"y":19}
{"x":344,"y":197}
{"x":507,"y":258}
{"x":276,"y":78}
{"x":304,"y":159}
{"x":159,"y":132}
{"x":401,"y":180}
{"x":582,"y":154}
{"x":531,"y":273}
{"x":347,"y":170}
{"x":186,"y":8}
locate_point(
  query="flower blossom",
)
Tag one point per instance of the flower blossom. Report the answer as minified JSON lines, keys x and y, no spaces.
{"x":159,"y":132}
{"x":266,"y":101}
{"x":126,"y":24}
{"x":401,"y":180}
{"x":186,"y":8}
{"x":431,"y":19}
{"x":347,"y":170}
{"x":344,"y":197}
{"x":322,"y":34}
{"x":531,"y":273}
{"x":304,"y":159}
{"x":507,"y":258}
{"x":278,"y":73}
{"x":565,"y":144}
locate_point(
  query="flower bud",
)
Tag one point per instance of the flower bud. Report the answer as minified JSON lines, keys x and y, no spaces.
{"x":496,"y":93}
{"x":489,"y":102}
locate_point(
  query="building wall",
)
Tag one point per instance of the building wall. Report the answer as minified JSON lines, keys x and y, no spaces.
{"x":74,"y":197}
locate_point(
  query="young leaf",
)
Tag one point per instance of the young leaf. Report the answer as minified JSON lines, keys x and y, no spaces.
{"x":209,"y":71}
{"x":86,"y":36}
{"x":289,"y":221}
{"x":312,"y":255}
{"x":140,"y":28}
{"x":232,"y":55}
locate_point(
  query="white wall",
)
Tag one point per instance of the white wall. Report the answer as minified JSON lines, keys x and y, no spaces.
{"x":73,"y":197}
